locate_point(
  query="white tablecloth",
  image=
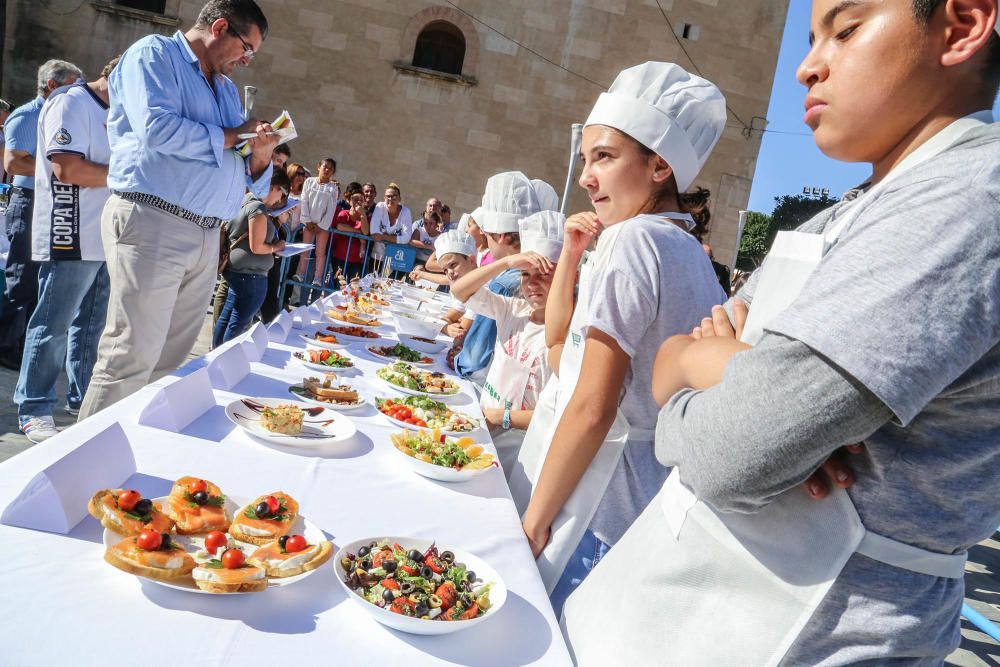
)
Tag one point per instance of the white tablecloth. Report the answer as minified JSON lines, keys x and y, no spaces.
{"x":60,"y":603}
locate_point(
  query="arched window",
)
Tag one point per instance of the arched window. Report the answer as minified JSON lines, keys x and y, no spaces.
{"x":440,"y":47}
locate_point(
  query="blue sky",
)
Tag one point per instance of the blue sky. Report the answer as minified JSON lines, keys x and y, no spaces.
{"x":787,"y":162}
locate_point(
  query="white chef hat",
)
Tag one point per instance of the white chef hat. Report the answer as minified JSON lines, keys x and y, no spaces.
{"x":508,"y":198}
{"x":454,"y":242}
{"x":542,"y":232}
{"x":677,"y":115}
{"x":548,"y":198}
{"x":463,"y":223}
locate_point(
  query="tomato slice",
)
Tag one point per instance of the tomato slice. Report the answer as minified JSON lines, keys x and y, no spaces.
{"x":434,"y":564}
{"x":390,"y":583}
{"x":412,"y":571}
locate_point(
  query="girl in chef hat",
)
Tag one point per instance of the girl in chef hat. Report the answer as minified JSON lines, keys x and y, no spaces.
{"x":643,"y":145}
{"x":519,"y":368}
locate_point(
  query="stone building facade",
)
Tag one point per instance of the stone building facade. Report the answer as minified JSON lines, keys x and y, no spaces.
{"x":345,"y":71}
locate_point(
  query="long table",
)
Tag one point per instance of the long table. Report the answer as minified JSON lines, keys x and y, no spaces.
{"x":60,"y":602}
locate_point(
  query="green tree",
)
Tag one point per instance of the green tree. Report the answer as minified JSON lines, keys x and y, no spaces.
{"x":754,"y":242}
{"x":790,"y":211}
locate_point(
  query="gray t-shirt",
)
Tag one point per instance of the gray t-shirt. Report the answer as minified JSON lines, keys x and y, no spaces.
{"x":241,"y":259}
{"x":894,"y":340}
{"x":658,"y":283}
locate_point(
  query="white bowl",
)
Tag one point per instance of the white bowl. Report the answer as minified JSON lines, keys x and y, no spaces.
{"x":421,"y":346}
{"x":418,"y":325}
{"x":416,"y":626}
{"x":440,"y":473}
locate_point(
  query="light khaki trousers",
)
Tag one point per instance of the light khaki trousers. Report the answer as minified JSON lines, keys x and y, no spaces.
{"x":162,"y":271}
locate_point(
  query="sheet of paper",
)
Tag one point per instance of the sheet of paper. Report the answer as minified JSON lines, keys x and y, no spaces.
{"x":292,"y":249}
{"x":291,"y":203}
{"x":179,"y":403}
{"x":55,"y":500}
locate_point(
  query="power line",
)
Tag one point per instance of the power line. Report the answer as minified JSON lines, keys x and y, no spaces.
{"x":528,"y":49}
{"x":747,"y":129}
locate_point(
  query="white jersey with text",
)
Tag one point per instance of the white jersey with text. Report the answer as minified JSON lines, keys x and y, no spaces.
{"x":67,"y":218}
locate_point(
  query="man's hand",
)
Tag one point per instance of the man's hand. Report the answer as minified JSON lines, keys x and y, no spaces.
{"x":262,"y":146}
{"x":454,"y":330}
{"x":834,"y":473}
{"x":415,"y":275}
{"x":719,"y":325}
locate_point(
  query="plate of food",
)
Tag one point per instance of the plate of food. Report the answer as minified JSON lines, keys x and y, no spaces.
{"x":402,"y":353}
{"x":285,"y":423}
{"x":352,"y":318}
{"x":425,"y":326}
{"x":218,"y":545}
{"x":323,"y":360}
{"x":435,"y":455}
{"x":345,"y":309}
{"x":403,"y":377}
{"x":422,"y":344}
{"x":323,"y":339}
{"x":354,"y":333}
{"x":328,"y":392}
{"x":459,"y":591}
{"x":425,"y":412}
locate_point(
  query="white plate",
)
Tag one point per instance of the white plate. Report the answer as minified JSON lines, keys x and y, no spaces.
{"x":415,"y":392}
{"x":441,"y":473}
{"x":402,"y":424}
{"x":416,"y":626}
{"x":371,"y":349}
{"x":322,"y":368}
{"x":356,"y":339}
{"x":194,"y":543}
{"x":331,"y":406}
{"x":425,"y":327}
{"x":327,"y":427}
{"x":318,"y":343}
{"x":420,"y":346}
{"x":354,"y":324}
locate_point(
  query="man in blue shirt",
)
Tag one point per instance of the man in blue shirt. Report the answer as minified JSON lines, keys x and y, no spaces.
{"x":20,"y":136}
{"x":173,"y":125}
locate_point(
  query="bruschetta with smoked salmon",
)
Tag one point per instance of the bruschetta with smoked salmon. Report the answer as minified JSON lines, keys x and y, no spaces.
{"x":152,"y":555}
{"x":126,"y":512}
{"x":265,"y":519}
{"x":231,"y":573}
{"x":290,"y":555}
{"x":197,"y":506}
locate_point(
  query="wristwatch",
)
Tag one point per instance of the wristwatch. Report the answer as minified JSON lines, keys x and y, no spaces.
{"x":506,"y":418}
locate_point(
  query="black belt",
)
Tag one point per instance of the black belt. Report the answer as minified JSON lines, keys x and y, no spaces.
{"x":204,"y":221}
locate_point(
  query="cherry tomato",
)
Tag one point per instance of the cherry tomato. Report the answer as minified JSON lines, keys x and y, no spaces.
{"x":420,"y":422}
{"x":128,"y":499}
{"x":412,"y":571}
{"x":390,"y":583}
{"x":149,"y":540}
{"x":295,"y":544}
{"x":272,"y":504}
{"x":214,"y":540}
{"x":324,"y":355}
{"x":434,"y":564}
{"x":406,"y":411}
{"x":401,"y":604}
{"x":233,"y":559}
{"x":197,"y":486}
{"x":411,"y":420}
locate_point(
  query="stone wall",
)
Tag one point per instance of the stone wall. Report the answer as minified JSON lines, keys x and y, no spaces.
{"x":342,"y":69}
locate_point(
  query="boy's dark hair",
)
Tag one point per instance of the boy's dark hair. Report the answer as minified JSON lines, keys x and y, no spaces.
{"x":279,"y":179}
{"x":352,"y":188}
{"x":333,"y":163}
{"x":110,"y":67}
{"x":284,"y":150}
{"x":241,"y":14}
{"x":924,"y":10}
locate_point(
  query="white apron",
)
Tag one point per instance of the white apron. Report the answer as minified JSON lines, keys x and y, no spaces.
{"x":525,"y":469}
{"x":504,"y":388}
{"x":576,"y":514}
{"x":711,"y":588}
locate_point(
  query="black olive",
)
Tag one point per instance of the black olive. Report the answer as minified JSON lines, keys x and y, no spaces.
{"x":366,"y":564}
{"x":164,"y":541}
{"x":448,"y":557}
{"x":406,"y":588}
{"x":415,"y":555}
{"x":421,"y":609}
{"x":282,"y":541}
{"x":426,"y":572}
{"x":471,"y":576}
{"x":262,"y":510}
{"x":387,"y":595}
{"x":144,"y":506}
{"x":389,"y":566}
{"x":372,"y":544}
{"x":201,"y":497}
{"x":466,"y":599}
{"x":363,"y":551}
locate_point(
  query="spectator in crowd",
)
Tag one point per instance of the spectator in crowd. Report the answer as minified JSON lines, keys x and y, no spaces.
{"x":433,"y":207}
{"x":351,"y":251}
{"x":446,"y":224}
{"x":173,"y":180}
{"x":253,"y":240}
{"x":469,"y":225}
{"x":721,"y":270}
{"x":319,"y":203}
{"x":66,"y":242}
{"x":371,"y":198}
{"x":297,"y":175}
{"x":280,"y":157}
{"x":391,"y":222}
{"x":4,"y":113}
{"x":20,"y":144}
{"x":423,"y":236}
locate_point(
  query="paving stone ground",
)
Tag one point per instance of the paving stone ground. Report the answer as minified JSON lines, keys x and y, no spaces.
{"x":982,"y":579}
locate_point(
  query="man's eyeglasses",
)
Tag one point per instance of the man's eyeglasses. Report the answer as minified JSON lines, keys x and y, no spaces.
{"x":392,"y":196}
{"x":248,"y":51}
